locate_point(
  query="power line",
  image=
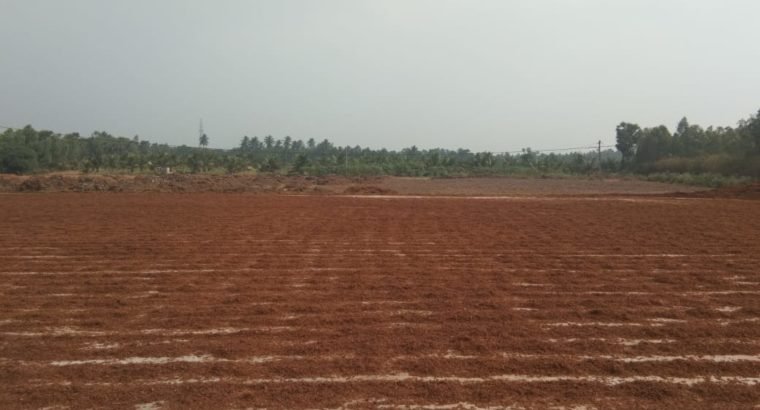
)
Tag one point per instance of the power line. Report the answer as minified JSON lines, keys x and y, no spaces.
{"x":590,"y":147}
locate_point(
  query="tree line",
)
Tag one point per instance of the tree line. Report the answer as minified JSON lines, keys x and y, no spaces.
{"x":27,"y":150}
{"x":690,"y":148}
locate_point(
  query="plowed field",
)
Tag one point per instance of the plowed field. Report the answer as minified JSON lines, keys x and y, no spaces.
{"x":234,"y":301}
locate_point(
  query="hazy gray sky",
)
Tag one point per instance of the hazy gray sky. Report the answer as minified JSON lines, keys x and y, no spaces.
{"x":484,"y":74}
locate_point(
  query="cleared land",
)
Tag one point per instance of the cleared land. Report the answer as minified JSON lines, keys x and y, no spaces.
{"x":527,"y":186}
{"x":234,"y":301}
{"x":267,"y":183}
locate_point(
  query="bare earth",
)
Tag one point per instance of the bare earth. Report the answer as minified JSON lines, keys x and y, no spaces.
{"x":209,"y":300}
{"x":526,"y":186}
{"x":501,"y":186}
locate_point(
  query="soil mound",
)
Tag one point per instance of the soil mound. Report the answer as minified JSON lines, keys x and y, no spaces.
{"x":749,"y":191}
{"x":71,"y":181}
{"x":745,"y":191}
{"x":60,"y":183}
{"x":157,"y":183}
{"x":368,"y":190}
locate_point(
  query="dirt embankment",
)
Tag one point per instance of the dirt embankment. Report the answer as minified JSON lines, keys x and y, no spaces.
{"x":167,"y":183}
{"x":368,"y":190}
{"x":267,"y":183}
{"x":747,"y":191}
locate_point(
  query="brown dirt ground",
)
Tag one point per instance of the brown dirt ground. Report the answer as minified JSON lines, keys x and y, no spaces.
{"x":513,"y":186}
{"x":266,"y":183}
{"x":368,"y":190}
{"x":747,"y":191}
{"x":78,"y":182}
{"x":233,"y":300}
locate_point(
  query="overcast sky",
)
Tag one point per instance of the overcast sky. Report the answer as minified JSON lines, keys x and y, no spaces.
{"x":483,"y":74}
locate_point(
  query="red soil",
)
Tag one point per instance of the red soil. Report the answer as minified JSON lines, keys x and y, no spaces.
{"x":515,"y":186}
{"x":368,"y":190}
{"x":268,"y":183}
{"x":234,"y":301}
{"x":745,"y":191}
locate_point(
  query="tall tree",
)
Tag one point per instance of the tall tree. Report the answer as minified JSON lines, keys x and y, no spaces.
{"x":269,"y":142}
{"x":17,"y":158}
{"x":752,"y":131}
{"x":300,"y":163}
{"x":627,"y":137}
{"x":655,"y":143}
{"x":203,"y":140}
{"x":297,"y":145}
{"x":682,"y":126}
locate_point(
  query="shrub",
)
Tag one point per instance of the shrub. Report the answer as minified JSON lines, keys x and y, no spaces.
{"x":17,"y":159}
{"x":705,"y":179}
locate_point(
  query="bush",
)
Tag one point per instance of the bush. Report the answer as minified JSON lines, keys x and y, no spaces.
{"x":270,"y":165}
{"x":300,"y":163}
{"x":722,"y":164}
{"x":17,"y":159}
{"x":234,"y":164}
{"x":706,"y":179}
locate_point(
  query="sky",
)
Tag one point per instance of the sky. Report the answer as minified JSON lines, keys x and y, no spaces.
{"x":496,"y":75}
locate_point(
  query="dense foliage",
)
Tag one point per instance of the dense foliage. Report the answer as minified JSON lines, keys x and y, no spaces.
{"x":28,"y":150}
{"x":690,"y":149}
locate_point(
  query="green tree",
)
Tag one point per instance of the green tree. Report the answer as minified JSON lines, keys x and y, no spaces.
{"x":627,"y":136}
{"x":682,"y":126}
{"x":300,"y":163}
{"x":17,"y":159}
{"x":751,"y":129}
{"x":270,"y":165}
{"x":195,"y":162}
{"x":268,"y":142}
{"x":654,"y":143}
{"x":234,"y":164}
{"x":689,"y":140}
{"x":297,"y":146}
{"x":203,"y":140}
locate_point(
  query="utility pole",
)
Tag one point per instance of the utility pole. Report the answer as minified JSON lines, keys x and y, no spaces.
{"x":599,"y":156}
